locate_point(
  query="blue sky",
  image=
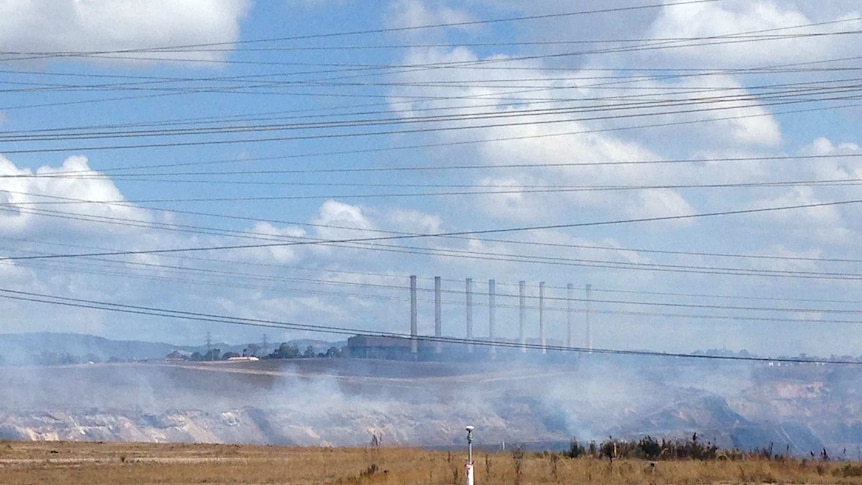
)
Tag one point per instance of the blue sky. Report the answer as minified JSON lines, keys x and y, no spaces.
{"x":616,"y":126}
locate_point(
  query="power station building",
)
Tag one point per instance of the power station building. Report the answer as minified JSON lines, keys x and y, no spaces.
{"x":438,"y":347}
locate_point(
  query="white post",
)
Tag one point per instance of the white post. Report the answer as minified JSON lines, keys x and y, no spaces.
{"x":469,"y":467}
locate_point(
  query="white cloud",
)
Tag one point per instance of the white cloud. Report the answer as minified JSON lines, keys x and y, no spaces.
{"x":824,"y":224}
{"x":339,"y":221}
{"x":117,"y":25}
{"x":841,"y":161}
{"x":541,"y":145}
{"x":70,"y":201}
{"x":745,"y":16}
{"x":825,"y":146}
{"x":272,"y":234}
{"x":412,"y":221}
{"x":415,"y":13}
{"x":661,"y":203}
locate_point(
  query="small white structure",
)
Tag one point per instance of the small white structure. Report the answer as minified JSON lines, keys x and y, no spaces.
{"x":469,"y":467}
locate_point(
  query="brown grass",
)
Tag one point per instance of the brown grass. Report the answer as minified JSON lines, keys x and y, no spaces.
{"x":124,"y":463}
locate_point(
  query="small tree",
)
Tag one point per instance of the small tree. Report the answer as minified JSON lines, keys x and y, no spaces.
{"x":176,"y":355}
{"x":575,"y":449}
{"x":649,"y":448}
{"x":285,"y":351}
{"x":251,"y":350}
{"x":213,"y":354}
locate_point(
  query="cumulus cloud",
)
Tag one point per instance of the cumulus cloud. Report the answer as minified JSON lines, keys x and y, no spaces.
{"x":551,"y":147}
{"x":36,"y":26}
{"x":662,"y":201}
{"x":337,"y":220}
{"x":267,"y":233}
{"x":824,"y":224}
{"x":769,"y":17}
{"x":416,"y":13}
{"x":340,"y":221}
{"x":412,"y":221}
{"x":66,"y":198}
{"x":825,"y":146}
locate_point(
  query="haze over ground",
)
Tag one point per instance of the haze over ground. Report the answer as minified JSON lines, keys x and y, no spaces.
{"x":193,"y":166}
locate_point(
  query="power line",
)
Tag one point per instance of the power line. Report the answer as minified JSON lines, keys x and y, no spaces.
{"x":329,"y":329}
{"x":446,"y":234}
{"x":367,"y":32}
{"x":252,"y":234}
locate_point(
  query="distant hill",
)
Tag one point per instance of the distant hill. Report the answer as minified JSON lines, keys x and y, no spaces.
{"x":33,"y":348}
{"x":36,"y":348}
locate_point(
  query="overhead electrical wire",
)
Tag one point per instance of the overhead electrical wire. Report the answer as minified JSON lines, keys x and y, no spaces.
{"x":123,"y":173}
{"x":402,"y":289}
{"x":330,"y":329}
{"x":349,"y":135}
{"x":253,"y":234}
{"x":396,"y":29}
{"x":829,"y":94}
{"x":563,"y":105}
{"x":477,"y":232}
{"x":401,"y":277}
{"x":820,"y":92}
{"x":456,"y":253}
{"x":733,"y":38}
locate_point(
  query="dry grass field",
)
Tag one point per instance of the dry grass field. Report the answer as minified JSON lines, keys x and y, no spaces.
{"x":127,"y":463}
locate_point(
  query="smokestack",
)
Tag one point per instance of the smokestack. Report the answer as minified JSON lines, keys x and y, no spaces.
{"x":522,"y":314}
{"x":569,"y":290}
{"x":414,"y":325}
{"x":542,"y":317}
{"x":492,"y":290}
{"x":470,"y":313}
{"x":587,"y":303}
{"x":438,"y":319}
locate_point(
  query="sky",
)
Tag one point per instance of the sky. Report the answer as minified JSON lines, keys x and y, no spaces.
{"x":243,"y":168}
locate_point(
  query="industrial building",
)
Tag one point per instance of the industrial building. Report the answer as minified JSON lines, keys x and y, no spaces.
{"x":469,"y":347}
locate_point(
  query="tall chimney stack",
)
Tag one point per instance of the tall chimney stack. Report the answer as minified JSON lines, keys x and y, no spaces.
{"x":522,"y":314}
{"x":492,"y":290}
{"x":542,"y":317}
{"x":438,"y":318}
{"x":569,"y":290}
{"x":414,"y":324}
{"x":587,"y":303}
{"x":469,"y":297}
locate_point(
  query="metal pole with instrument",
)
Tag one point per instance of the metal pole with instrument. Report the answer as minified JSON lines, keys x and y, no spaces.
{"x":470,"y":455}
